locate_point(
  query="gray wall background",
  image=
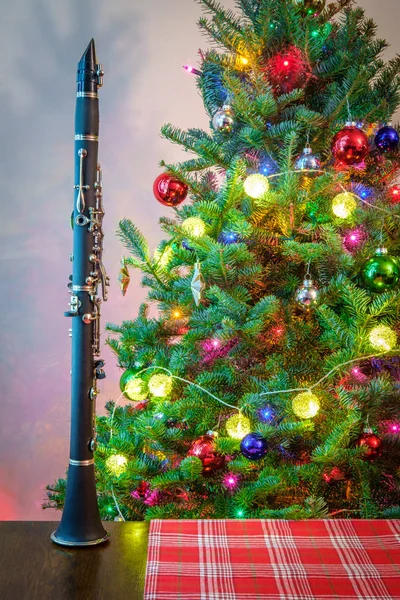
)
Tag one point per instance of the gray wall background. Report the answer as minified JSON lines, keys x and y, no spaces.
{"x":143,"y":46}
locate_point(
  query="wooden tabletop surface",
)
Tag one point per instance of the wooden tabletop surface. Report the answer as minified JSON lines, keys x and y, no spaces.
{"x":32,"y":567}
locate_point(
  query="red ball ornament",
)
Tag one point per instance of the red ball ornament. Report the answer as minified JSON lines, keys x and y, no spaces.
{"x":334,"y":474}
{"x":169,"y":191}
{"x":368,"y":439}
{"x":288,"y":70}
{"x":204,"y":449}
{"x":394,"y":194}
{"x":350,"y":145}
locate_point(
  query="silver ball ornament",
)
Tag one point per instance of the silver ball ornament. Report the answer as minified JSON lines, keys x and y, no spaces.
{"x":307,"y":296}
{"x":223,"y":120}
{"x":307,"y":161}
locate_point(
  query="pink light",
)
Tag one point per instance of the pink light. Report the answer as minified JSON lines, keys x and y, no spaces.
{"x":395,"y":428}
{"x":230,"y":481}
{"x":188,"y":68}
{"x":355,"y":371}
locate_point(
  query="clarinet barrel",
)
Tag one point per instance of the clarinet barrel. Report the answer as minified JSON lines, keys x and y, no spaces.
{"x":80,"y":523}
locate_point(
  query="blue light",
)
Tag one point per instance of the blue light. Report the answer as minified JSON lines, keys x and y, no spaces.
{"x":228,"y":237}
{"x":266,"y":414}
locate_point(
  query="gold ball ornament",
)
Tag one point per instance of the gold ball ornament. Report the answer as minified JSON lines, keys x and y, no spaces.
{"x":238,"y":426}
{"x":135,"y":389}
{"x":116,"y":464}
{"x":382,"y":338}
{"x":256,"y":185}
{"x":344,"y":204}
{"x":194,"y":227}
{"x":305,"y":405}
{"x":160,"y":385}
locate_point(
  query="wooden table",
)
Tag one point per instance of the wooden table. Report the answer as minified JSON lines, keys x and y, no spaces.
{"x":32,"y":567}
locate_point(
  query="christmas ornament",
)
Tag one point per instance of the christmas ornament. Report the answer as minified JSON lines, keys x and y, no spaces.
{"x":197,"y":284}
{"x":350,"y":145}
{"x":237,"y":426}
{"x":144,"y":493}
{"x":394,"y":193}
{"x":160,"y":385}
{"x":230,"y":481}
{"x":307,"y":161}
{"x":254,"y":446}
{"x":228,"y":237}
{"x":288,"y":70}
{"x":368,"y":439}
{"x":334,"y":474}
{"x":126,"y":375}
{"x":382,"y":338}
{"x":223,"y":120}
{"x":194,"y":227}
{"x":204,"y":449}
{"x":169,"y":190}
{"x":307,"y":295}
{"x":311,"y":7}
{"x":387,"y":139}
{"x":135,"y":389}
{"x":344,"y":204}
{"x":381,"y":272}
{"x":256,"y":185}
{"x":124,"y":277}
{"x":116,"y":464}
{"x":305,"y":405}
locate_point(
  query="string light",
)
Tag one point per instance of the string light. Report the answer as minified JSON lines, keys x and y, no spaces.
{"x":382,"y":338}
{"x":344,"y":204}
{"x":230,"y":481}
{"x":117,"y":464}
{"x":160,"y":385}
{"x":256,"y":185}
{"x":238,"y":426}
{"x":194,"y":227}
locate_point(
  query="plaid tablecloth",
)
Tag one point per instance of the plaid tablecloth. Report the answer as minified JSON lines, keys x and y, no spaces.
{"x":274,"y":560}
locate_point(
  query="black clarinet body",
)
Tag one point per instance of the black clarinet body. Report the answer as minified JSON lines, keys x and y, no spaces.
{"x":80,"y":523}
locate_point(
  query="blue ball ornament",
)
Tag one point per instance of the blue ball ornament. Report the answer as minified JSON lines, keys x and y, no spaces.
{"x":254,"y":446}
{"x":387,"y":139}
{"x":267,"y":166}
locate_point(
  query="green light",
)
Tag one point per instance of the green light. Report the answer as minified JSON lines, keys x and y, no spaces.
{"x":315,"y":33}
{"x":110,"y":509}
{"x":240,"y":514}
{"x":272,"y":26}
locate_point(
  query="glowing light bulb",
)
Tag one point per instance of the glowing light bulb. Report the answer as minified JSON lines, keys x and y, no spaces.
{"x":194,"y":227}
{"x":116,"y":464}
{"x":305,"y":405}
{"x":177,"y":314}
{"x":160,"y":385}
{"x":285,"y":63}
{"x":240,"y":514}
{"x":256,"y":185}
{"x":244,"y":60}
{"x":238,"y":426}
{"x":230,"y":481}
{"x":343,"y":205}
{"x":135,"y":389}
{"x":382,"y":338}
{"x":395,"y":428}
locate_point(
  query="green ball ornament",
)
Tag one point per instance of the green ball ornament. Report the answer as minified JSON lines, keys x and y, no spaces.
{"x":127,"y":375}
{"x":381,"y":272}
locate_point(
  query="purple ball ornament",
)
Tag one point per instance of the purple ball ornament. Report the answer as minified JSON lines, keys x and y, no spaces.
{"x":387,"y":139}
{"x":254,"y":446}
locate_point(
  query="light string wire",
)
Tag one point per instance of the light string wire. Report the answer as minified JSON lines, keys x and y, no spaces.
{"x":342,"y":187}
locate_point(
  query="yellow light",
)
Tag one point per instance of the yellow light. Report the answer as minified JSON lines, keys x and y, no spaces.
{"x":160,"y":385}
{"x":194,"y":227}
{"x":238,"y":426}
{"x":382,"y":338}
{"x":256,"y":185}
{"x":244,"y":60}
{"x":177,"y":314}
{"x":343,"y":205}
{"x":135,"y":389}
{"x":162,"y":257}
{"x":116,"y":464}
{"x":305,"y":405}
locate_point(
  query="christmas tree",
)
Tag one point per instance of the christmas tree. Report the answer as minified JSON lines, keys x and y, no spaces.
{"x":267,"y":385}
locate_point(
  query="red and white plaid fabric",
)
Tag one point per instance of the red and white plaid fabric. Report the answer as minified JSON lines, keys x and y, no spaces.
{"x":274,"y":560}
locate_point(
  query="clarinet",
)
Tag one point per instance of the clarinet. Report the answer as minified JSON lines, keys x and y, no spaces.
{"x":80,"y":523}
